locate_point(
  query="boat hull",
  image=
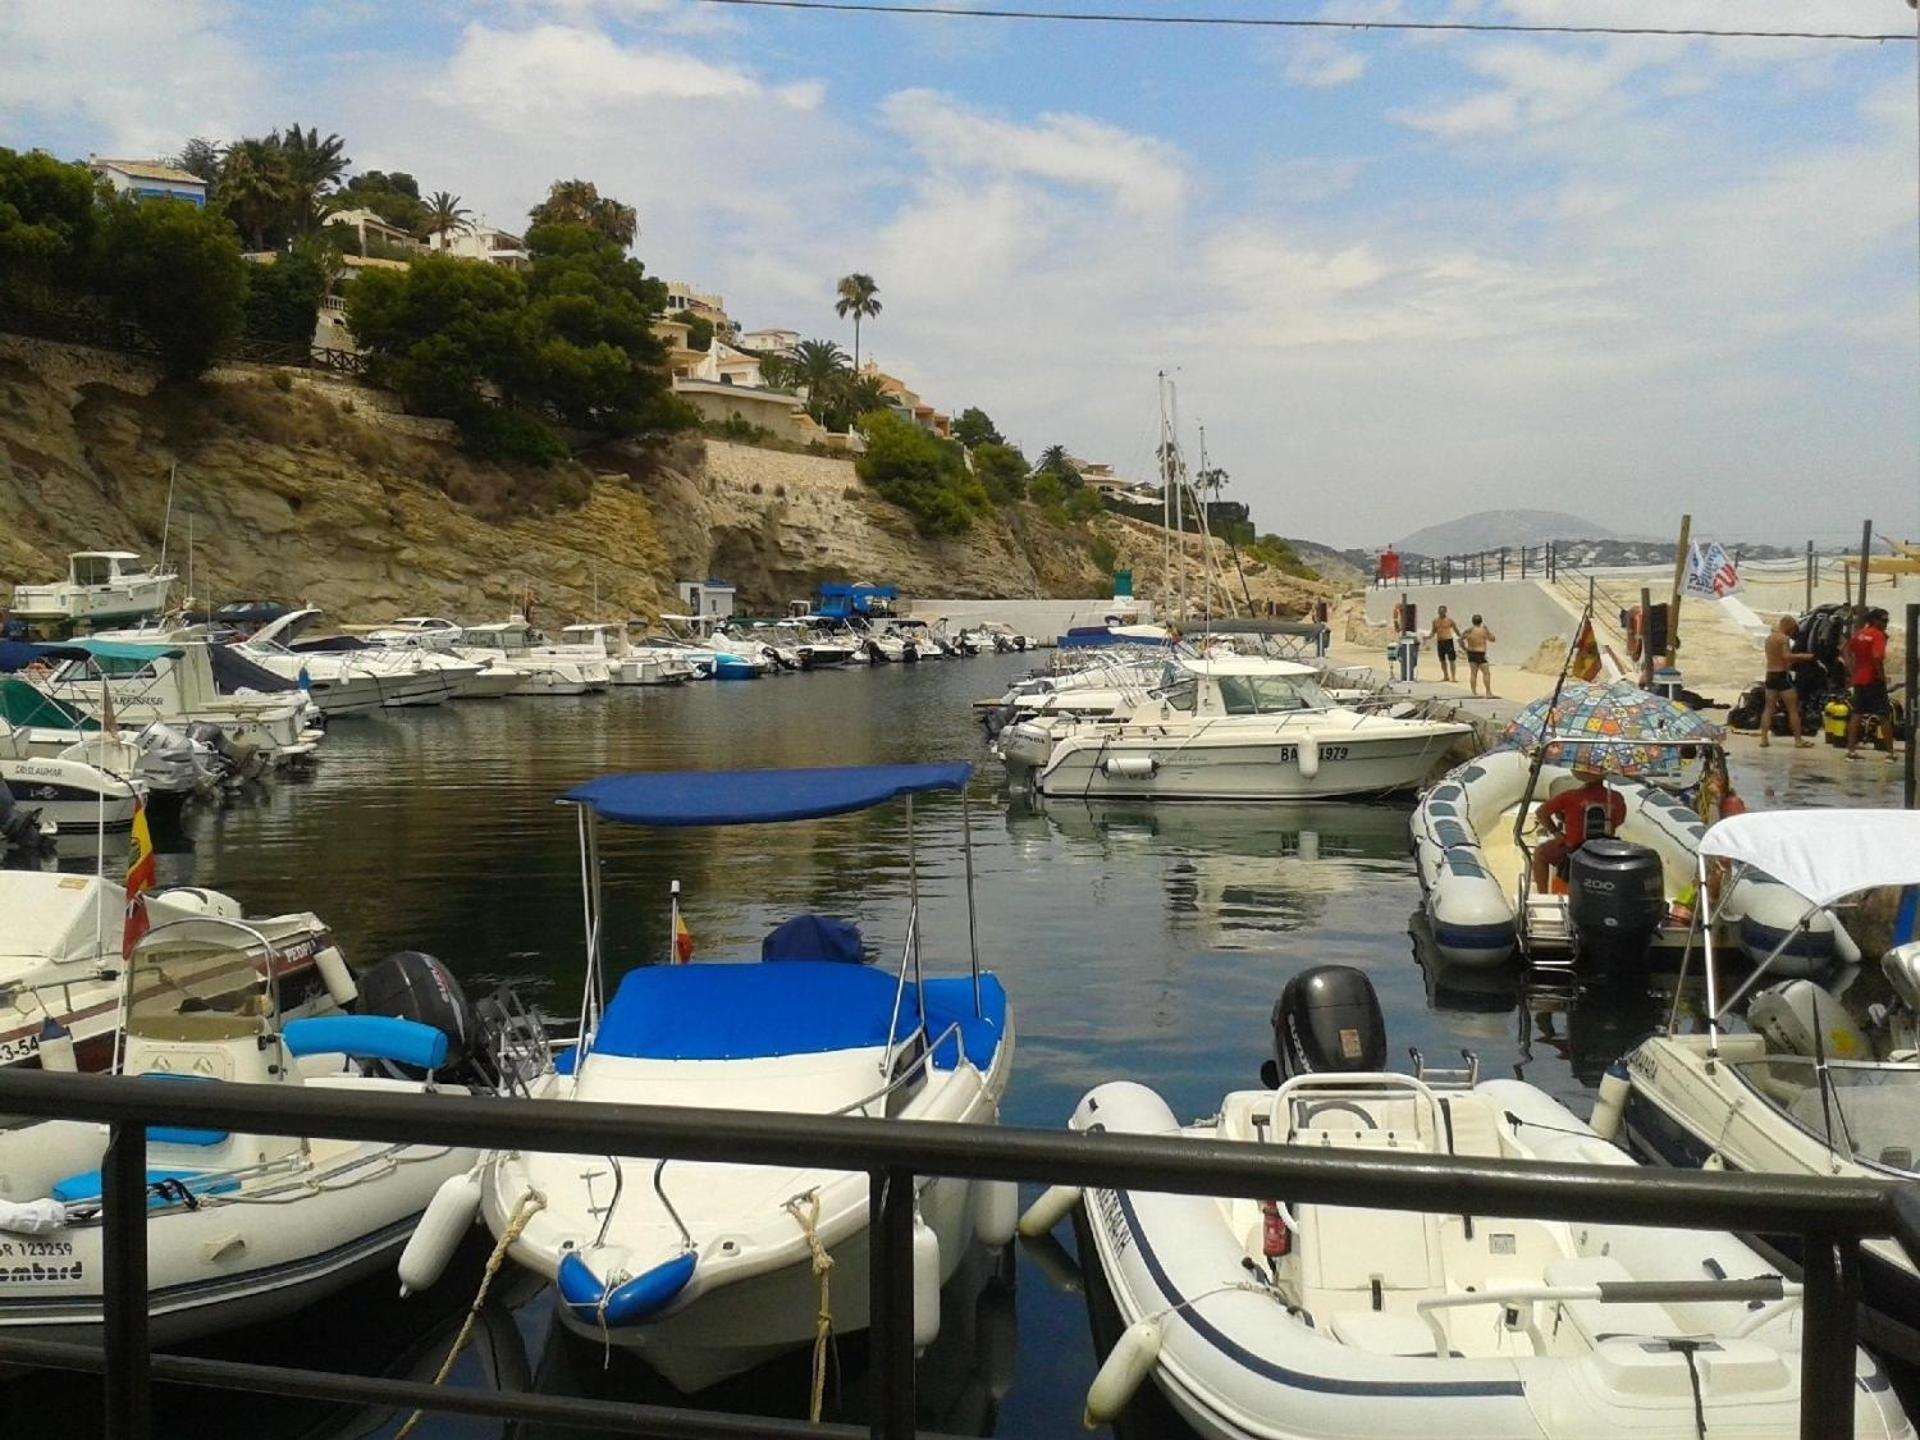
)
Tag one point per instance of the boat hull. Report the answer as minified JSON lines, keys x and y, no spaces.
{"x":1223,"y":768}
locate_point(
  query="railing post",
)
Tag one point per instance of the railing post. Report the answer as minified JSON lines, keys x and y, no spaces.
{"x":123,"y":1282}
{"x":1831,"y":1272}
{"x":890,"y":1304}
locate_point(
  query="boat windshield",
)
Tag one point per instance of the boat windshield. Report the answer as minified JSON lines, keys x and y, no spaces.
{"x":113,"y":667}
{"x":198,"y":981}
{"x":1868,"y":1112}
{"x":92,"y":570}
{"x":1270,"y":694}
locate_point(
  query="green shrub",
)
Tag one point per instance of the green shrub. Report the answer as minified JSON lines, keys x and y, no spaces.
{"x":921,"y":473}
{"x":502,"y":434}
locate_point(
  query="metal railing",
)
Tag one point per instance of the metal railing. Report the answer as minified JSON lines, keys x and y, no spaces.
{"x":1830,"y":1215}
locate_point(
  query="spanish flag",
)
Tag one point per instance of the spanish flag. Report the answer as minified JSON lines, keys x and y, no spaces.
{"x":1586,"y":653}
{"x":140,"y":877}
{"x":682,"y":938}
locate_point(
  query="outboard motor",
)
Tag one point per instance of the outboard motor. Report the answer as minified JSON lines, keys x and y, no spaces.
{"x":1616,"y":900}
{"x":19,"y":828}
{"x":1327,"y":1019}
{"x":413,"y":985}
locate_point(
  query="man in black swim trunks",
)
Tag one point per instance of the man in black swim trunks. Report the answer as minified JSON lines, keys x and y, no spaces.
{"x":1443,"y":632}
{"x":1781,"y":658}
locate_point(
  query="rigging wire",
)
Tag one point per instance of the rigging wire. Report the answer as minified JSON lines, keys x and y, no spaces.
{"x":1268,"y":22}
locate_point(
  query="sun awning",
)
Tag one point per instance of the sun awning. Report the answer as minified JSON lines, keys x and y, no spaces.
{"x":755,"y":797}
{"x":1825,"y":855}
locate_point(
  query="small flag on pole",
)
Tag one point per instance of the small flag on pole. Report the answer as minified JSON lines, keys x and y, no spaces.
{"x":1586,"y":653}
{"x":140,"y":878}
{"x":682,"y":938}
{"x":1711,"y":573}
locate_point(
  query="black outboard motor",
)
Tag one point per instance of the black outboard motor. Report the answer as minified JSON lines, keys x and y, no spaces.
{"x":1328,"y":1019}
{"x":19,"y":827}
{"x":412,"y":985}
{"x":1616,"y":901}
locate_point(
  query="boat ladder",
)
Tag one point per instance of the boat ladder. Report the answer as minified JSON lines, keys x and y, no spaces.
{"x":1547,"y":926}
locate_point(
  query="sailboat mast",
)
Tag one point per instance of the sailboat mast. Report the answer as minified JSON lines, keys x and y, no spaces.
{"x":1176,"y":471}
{"x":1166,"y":501}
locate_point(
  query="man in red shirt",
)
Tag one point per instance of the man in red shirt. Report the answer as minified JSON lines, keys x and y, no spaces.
{"x":1867,"y":655}
{"x":1573,"y":817}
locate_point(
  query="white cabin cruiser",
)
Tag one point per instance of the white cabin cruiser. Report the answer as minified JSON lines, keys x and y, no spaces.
{"x":69,"y":788}
{"x":1298,"y":1321}
{"x":187,"y":682}
{"x":102,"y":587}
{"x":61,"y":968}
{"x":349,"y":676}
{"x":706,"y":1269}
{"x":427,"y":632}
{"x":544,"y":669}
{"x":1809,"y":1090}
{"x":1622,"y":898}
{"x":1234,"y":728}
{"x":240,"y":1228}
{"x":627,"y":663}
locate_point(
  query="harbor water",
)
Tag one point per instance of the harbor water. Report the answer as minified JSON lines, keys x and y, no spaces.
{"x":1136,"y":941}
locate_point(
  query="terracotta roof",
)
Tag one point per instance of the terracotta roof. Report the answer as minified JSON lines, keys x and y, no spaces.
{"x":151,"y":170}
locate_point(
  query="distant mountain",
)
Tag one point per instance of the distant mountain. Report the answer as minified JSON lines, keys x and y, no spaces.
{"x":1490,"y":529}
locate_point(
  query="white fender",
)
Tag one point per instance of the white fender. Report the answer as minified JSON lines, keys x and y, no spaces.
{"x":926,"y":1284}
{"x":1612,"y":1102}
{"x":56,"y":1048}
{"x":1049,"y":1210}
{"x":1134,"y":767}
{"x":445,"y":1221}
{"x":1133,"y":1356}
{"x":996,"y":1211}
{"x":1309,"y":755}
{"x":334,"y":973}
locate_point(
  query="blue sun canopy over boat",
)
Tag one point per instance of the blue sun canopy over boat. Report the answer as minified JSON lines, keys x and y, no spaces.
{"x":757,"y":797}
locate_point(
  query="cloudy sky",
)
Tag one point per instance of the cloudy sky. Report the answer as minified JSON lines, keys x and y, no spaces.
{"x":1398,"y":278}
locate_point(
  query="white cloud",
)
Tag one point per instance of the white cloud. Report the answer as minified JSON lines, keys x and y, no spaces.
{"x":1321,"y":65}
{"x":1139,"y":172}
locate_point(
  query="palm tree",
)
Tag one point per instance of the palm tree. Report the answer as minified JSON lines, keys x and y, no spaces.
{"x":579,"y":202}
{"x":779,"y":372}
{"x":313,"y":165}
{"x":856,"y":293}
{"x":445,"y":215}
{"x":255,"y":187}
{"x":819,"y":365}
{"x":1054,"y":460}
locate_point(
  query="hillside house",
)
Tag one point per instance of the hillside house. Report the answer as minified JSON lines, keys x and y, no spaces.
{"x":484,"y":242}
{"x":150,"y":180}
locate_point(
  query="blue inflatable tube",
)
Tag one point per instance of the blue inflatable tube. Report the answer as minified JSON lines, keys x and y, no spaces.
{"x":629,"y":1303}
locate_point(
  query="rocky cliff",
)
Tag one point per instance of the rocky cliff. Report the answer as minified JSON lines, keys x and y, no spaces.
{"x":315,"y":491}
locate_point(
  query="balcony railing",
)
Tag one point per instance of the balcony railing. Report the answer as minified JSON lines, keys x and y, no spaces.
{"x":1830,"y":1215}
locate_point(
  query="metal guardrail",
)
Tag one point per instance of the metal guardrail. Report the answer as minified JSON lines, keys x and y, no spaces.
{"x":1830,"y":1215}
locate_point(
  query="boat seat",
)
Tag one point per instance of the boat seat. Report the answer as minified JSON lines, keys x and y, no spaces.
{"x":1381,"y":1332}
{"x":1475,"y":1131}
{"x":85,"y":1186}
{"x":1598,"y":1320}
{"x":1347,"y":1249}
{"x":183,"y":1134}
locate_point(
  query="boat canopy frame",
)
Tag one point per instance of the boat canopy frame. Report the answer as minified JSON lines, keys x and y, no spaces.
{"x":689,"y":798}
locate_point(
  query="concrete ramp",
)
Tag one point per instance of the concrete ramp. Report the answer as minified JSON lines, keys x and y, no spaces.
{"x":1521,"y":613}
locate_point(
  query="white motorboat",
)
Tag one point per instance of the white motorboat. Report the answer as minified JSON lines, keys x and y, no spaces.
{"x":345,"y":675}
{"x":735,"y":657}
{"x":705,"y":1269}
{"x":1233,"y":728}
{"x":427,"y":632}
{"x":544,"y":669}
{"x":183,"y":683}
{"x":627,"y":663}
{"x":1297,"y":1321}
{"x":171,"y":764}
{"x":68,"y":788}
{"x":1004,"y":638}
{"x":1621,"y":898}
{"x":102,"y":587}
{"x":822,"y":642}
{"x":61,"y":967}
{"x":240,"y":1228}
{"x":1809,"y":1089}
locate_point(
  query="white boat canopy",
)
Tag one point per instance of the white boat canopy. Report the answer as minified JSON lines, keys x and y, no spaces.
{"x":1826,"y":855}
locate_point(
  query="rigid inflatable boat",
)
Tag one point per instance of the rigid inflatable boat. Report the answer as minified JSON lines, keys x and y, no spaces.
{"x":1318,"y":1322}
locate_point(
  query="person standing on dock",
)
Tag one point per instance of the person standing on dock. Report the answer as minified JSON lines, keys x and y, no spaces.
{"x":1867,"y":653}
{"x":1443,"y":632}
{"x":1781,"y":658}
{"x":1475,"y":642}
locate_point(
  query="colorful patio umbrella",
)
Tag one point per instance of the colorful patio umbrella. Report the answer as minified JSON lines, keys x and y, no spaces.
{"x":1618,"y":728}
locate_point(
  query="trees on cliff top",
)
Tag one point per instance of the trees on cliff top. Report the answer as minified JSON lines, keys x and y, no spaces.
{"x":579,"y":202}
{"x":921,"y":473}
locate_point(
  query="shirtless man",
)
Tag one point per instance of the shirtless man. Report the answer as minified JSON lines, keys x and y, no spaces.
{"x":1444,"y":632}
{"x":1781,"y":658}
{"x":1475,"y":643}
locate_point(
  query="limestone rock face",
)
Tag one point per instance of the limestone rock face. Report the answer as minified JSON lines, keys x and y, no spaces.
{"x":322,"y":493}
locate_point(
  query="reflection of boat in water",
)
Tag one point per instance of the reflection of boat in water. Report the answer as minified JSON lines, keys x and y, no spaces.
{"x":1248,"y":870}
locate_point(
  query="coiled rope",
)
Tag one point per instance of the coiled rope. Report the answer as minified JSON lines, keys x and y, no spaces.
{"x":808,"y":1219}
{"x":531,"y":1203}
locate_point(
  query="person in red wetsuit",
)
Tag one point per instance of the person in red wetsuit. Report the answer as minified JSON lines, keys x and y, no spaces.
{"x":1867,"y":658}
{"x":1588,"y":810}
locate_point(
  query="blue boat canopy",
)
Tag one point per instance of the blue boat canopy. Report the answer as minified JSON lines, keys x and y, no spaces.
{"x":755,"y":797}
{"x":125,"y":650}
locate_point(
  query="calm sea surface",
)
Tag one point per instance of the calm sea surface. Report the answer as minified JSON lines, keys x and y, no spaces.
{"x":1136,"y":942}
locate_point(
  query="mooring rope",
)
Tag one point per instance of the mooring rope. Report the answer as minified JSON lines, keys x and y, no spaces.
{"x":809,"y":1222}
{"x":531,"y":1202}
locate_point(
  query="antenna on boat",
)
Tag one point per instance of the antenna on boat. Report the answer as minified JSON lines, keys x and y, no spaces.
{"x":166,"y":524}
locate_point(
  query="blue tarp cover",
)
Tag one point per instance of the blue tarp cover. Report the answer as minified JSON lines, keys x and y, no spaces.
{"x":738,"y":1012}
{"x":814,"y":937}
{"x":752,"y":797}
{"x":18,"y":654}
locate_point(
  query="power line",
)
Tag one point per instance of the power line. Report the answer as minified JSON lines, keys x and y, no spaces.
{"x":961,"y":12}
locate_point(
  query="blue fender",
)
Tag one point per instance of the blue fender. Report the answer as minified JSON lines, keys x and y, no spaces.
{"x":637,"y":1299}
